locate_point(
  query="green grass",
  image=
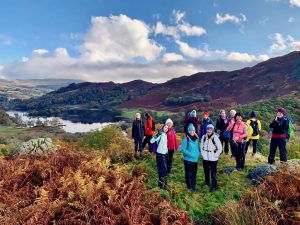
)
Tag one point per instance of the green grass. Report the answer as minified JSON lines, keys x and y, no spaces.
{"x":11,"y":130}
{"x":201,"y":204}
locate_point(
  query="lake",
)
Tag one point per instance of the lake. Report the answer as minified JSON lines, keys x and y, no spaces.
{"x":71,"y":127}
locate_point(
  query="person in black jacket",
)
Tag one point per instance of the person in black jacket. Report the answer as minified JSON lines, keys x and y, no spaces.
{"x":279,"y":126}
{"x":222,"y":124}
{"x":138,"y":134}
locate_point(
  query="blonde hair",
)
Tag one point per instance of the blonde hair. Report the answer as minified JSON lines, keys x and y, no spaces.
{"x":138,"y":115}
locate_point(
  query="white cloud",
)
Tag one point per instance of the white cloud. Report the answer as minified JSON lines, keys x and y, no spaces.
{"x":220,"y":19}
{"x":282,"y":45}
{"x":291,"y":20}
{"x":40,"y":51}
{"x":5,"y":40}
{"x":179,"y":28}
{"x":263,"y":21}
{"x":172,"y":57}
{"x":295,"y":3}
{"x":245,"y":57}
{"x":118,"y":39}
{"x":24,"y":59}
{"x":189,"y":51}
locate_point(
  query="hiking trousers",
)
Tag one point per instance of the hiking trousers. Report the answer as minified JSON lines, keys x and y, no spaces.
{"x":138,"y":145}
{"x":190,"y":169}
{"x":170,"y":159}
{"x":225,"y":143}
{"x":147,"y":141}
{"x":239,"y":155}
{"x":281,"y":144}
{"x":210,"y":171}
{"x":255,"y":141}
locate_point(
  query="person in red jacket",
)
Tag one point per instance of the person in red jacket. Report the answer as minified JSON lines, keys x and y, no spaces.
{"x":172,"y":143}
{"x":149,"y":130}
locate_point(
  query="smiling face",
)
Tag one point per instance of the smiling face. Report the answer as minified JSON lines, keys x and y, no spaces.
{"x":170,"y":125}
{"x":239,"y":119}
{"x":192,"y":132}
{"x":165,"y":128}
{"x":209,"y":131}
{"x":279,"y":115}
{"x":223,"y":114}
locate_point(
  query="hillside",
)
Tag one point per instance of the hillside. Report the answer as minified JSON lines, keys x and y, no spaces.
{"x":273,"y":78}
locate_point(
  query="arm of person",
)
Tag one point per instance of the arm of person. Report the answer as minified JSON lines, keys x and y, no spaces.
{"x":245,"y":132}
{"x":259,"y":125}
{"x":155,"y":138}
{"x":219,"y":147}
{"x":183,"y":148}
{"x":273,"y":124}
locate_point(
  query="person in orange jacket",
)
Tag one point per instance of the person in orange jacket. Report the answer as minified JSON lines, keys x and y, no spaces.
{"x":149,"y":130}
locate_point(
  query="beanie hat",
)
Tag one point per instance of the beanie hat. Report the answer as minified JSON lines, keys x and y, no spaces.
{"x":193,"y":113}
{"x":205,"y":113}
{"x":169,"y":121}
{"x":253,"y":115}
{"x":191,"y":127}
{"x":210,"y":126}
{"x":282,"y":110}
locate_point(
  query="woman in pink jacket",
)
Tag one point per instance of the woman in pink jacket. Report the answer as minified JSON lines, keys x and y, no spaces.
{"x":240,"y":131}
{"x":172,"y":143}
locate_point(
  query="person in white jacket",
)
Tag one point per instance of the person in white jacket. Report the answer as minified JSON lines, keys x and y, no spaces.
{"x":211,"y":148}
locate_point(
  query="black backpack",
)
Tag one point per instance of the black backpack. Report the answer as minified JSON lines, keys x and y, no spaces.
{"x":153,"y":125}
{"x":254,"y":125}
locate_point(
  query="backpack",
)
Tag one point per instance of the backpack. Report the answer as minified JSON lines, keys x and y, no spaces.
{"x":249,"y":133}
{"x":290,"y":130}
{"x":254,"y":125}
{"x":213,"y":141}
{"x":153,"y":125}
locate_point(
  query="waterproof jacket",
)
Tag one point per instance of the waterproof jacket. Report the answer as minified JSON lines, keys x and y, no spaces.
{"x":203,"y":126}
{"x":259,"y":128}
{"x":279,"y":127}
{"x":137,"y":129}
{"x":221,"y":125}
{"x":239,"y":130}
{"x":162,"y":141}
{"x":211,"y":147}
{"x":172,"y":141}
{"x":148,"y":127}
{"x":231,"y":123}
{"x":190,"y":149}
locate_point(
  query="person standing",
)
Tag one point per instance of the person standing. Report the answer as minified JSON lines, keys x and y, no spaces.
{"x":191,"y":152}
{"x":279,"y":135}
{"x":172,"y":143}
{"x":256,"y":126}
{"x":138,"y":134}
{"x":149,"y":130}
{"x":211,"y":148}
{"x":229,"y":128}
{"x":240,"y":131}
{"x":222,"y":124}
{"x":191,"y":118}
{"x":205,"y":122}
{"x":162,"y":156}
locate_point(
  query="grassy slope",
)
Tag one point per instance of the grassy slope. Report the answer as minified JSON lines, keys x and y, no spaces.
{"x":202,"y":203}
{"x":5,"y":130}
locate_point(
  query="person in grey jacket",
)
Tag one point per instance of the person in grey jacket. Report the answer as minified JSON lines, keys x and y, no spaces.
{"x":162,"y":156}
{"x":211,"y":148}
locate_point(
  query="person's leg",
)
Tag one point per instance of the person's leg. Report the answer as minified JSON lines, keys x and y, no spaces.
{"x":222,"y":140}
{"x":161,"y":160}
{"x":226,"y":148}
{"x":187,"y":169}
{"x":282,"y":150}
{"x":136,"y":143}
{"x":247,"y":145}
{"x":243,"y":155}
{"x":273,"y":146}
{"x":194,"y":175}
{"x":206,"y":171}
{"x":214,"y":178}
{"x":232,"y":148}
{"x":254,"y":146}
{"x":237,"y":156}
{"x":144,"y":142}
{"x":170,"y":160}
{"x":141,"y":146}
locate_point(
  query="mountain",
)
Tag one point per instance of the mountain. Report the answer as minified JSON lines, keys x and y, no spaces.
{"x":275,"y":77}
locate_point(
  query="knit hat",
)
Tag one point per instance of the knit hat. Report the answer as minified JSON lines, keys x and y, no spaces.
{"x":169,"y":121}
{"x":193,"y":113}
{"x":210,"y":126}
{"x":191,"y":127}
{"x":253,"y":115}
{"x":205,"y":113}
{"x":282,"y":110}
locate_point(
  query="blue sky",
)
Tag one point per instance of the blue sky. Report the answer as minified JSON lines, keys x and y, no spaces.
{"x":101,"y":40}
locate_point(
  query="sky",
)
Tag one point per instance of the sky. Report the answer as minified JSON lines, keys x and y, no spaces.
{"x":124,"y":40}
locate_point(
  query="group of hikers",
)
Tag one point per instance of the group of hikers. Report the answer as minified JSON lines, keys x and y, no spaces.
{"x":204,"y":139}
